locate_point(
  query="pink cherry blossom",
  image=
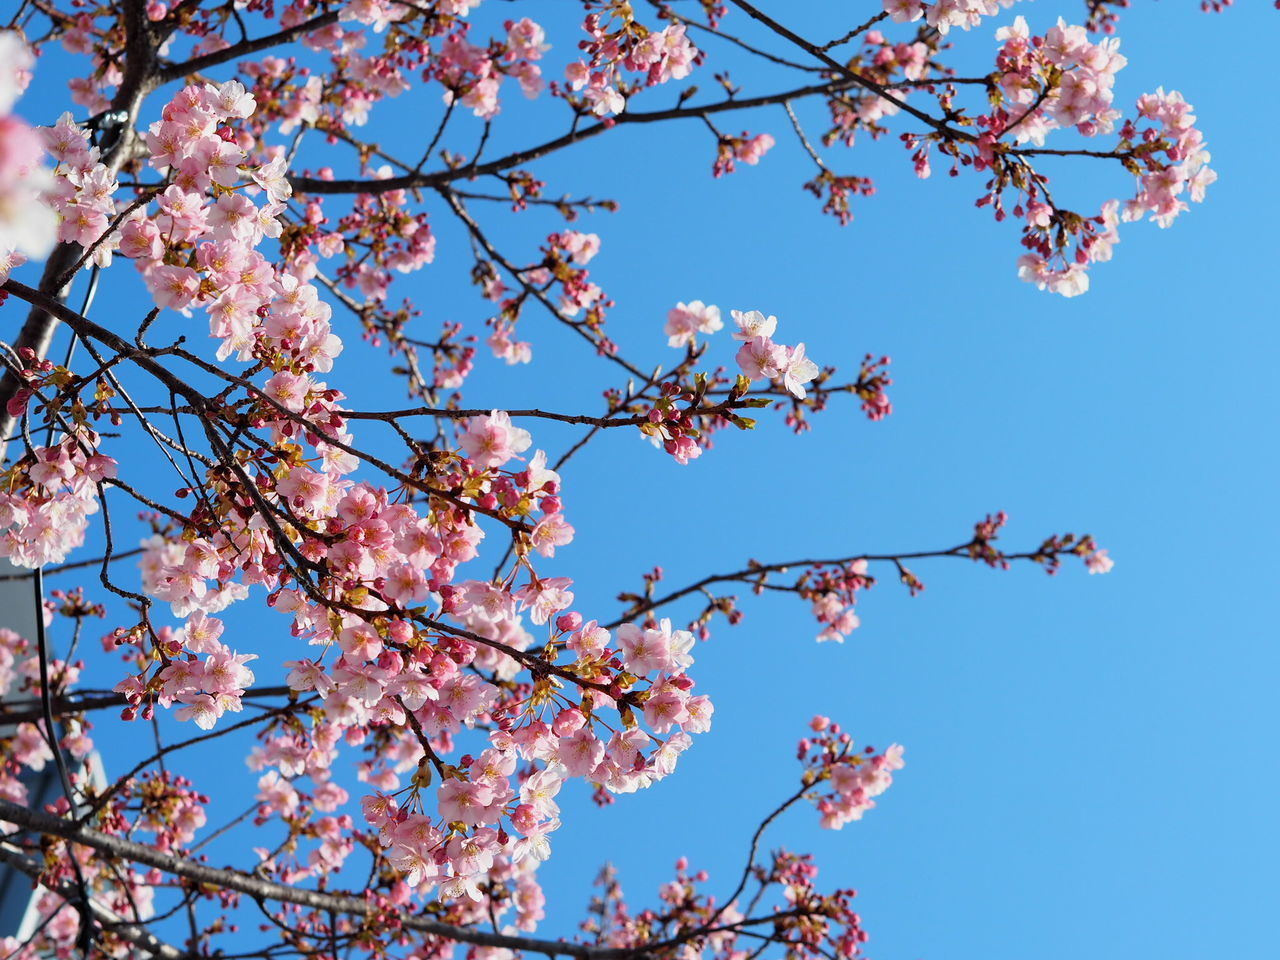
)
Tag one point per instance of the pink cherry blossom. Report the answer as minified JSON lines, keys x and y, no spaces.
{"x":684,"y":321}
{"x":762,"y":359}
{"x":493,"y":440}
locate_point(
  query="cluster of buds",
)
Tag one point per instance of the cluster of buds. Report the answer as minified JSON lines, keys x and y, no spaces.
{"x":855,"y":777}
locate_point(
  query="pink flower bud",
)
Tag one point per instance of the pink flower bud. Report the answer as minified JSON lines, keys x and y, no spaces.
{"x":525,"y":818}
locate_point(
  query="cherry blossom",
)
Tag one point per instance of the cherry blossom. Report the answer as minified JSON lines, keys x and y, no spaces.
{"x":493,"y":440}
{"x":26,"y":226}
{"x":684,"y":321}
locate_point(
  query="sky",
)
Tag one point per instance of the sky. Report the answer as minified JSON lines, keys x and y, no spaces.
{"x":1089,"y":758}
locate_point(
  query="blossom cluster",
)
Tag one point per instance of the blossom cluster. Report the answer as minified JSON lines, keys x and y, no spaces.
{"x":745,"y":149}
{"x":561,"y":274}
{"x":390,"y":239}
{"x":470,"y":74}
{"x":1183,"y":170}
{"x":206,"y":689}
{"x":83,"y":190}
{"x":476,"y":71}
{"x":762,"y":359}
{"x":1167,"y":155}
{"x":1059,"y":80}
{"x":759,"y":358}
{"x":27,"y":228}
{"x":942,"y":15}
{"x":618,"y":42}
{"x":1064,"y":80}
{"x":833,"y":593}
{"x":855,"y":778}
{"x":198,"y":250}
{"x":123,"y":890}
{"x":80,"y":35}
{"x":873,"y":378}
{"x":47,"y":497}
{"x":674,"y":429}
{"x":883,"y":61}
{"x":481,"y":801}
{"x":25,"y":745}
{"x":162,"y":804}
{"x":567,"y":251}
{"x":682,"y":432}
{"x":383,"y":562}
{"x":386,"y":564}
{"x":686,"y":320}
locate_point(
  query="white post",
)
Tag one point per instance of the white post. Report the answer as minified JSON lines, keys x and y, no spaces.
{"x":18,"y":612}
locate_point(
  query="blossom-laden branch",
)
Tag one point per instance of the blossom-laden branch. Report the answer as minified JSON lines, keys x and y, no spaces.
{"x":832,"y":585}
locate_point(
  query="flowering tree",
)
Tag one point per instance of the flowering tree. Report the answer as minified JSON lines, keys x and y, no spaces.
{"x":434,"y":685}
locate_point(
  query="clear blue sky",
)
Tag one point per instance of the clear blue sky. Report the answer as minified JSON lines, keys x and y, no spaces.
{"x":1090,"y":760}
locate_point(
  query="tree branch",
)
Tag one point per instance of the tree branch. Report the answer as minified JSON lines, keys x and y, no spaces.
{"x":443,"y":177}
{"x":179,"y":70}
{"x":753,"y":572}
{"x":60,"y":269}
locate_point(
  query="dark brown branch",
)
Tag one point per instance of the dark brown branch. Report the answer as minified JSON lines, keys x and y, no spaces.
{"x":634,"y":420}
{"x":539,"y":294}
{"x":59,"y":271}
{"x":179,"y":70}
{"x":77,"y":565}
{"x":951,"y":133}
{"x":859,"y":29}
{"x":443,"y":177}
{"x":752,"y":573}
{"x":144,"y":358}
{"x":24,"y":711}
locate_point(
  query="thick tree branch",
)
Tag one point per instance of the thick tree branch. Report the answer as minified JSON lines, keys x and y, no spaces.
{"x":85,"y":327}
{"x":25,"y":711}
{"x":196,"y":64}
{"x":60,"y":269}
